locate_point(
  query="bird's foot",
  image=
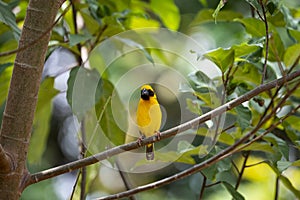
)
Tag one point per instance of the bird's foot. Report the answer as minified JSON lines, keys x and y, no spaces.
{"x":157,"y":135}
{"x":140,"y":140}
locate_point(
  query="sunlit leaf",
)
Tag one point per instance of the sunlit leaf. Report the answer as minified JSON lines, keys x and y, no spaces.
{"x":244,"y":49}
{"x":206,"y":15}
{"x":287,"y":183}
{"x":253,"y":26}
{"x":293,"y":121}
{"x":296,"y":163}
{"x":168,"y":12}
{"x":257,"y":146}
{"x":234,"y":193}
{"x":41,"y":122}
{"x":291,"y":54}
{"x":223,"y":58}
{"x":226,"y":138}
{"x":91,"y":24}
{"x":295,"y":34}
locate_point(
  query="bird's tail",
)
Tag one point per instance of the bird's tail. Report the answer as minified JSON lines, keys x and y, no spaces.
{"x":149,"y":152}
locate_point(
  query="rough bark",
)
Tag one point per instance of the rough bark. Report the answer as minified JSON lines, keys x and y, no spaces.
{"x":21,"y":101}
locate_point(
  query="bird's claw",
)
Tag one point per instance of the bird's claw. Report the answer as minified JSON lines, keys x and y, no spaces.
{"x":140,"y":140}
{"x":157,"y":135}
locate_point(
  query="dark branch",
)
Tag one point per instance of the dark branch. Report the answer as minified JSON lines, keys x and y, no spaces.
{"x":267,"y":41}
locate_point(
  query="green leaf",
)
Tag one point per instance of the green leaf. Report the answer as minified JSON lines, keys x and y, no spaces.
{"x":194,"y":106}
{"x":244,"y":117}
{"x":77,"y":38}
{"x":276,"y":47}
{"x":91,"y":24}
{"x":41,"y":121}
{"x":111,"y":114}
{"x":295,"y":34}
{"x":210,"y":172}
{"x":8,"y":18}
{"x":206,"y":15}
{"x":293,"y":121}
{"x":291,"y":54}
{"x":84,"y":88}
{"x":253,"y":26}
{"x":234,"y":193}
{"x":257,"y":146}
{"x":296,"y":163}
{"x":287,"y":183}
{"x":223,"y":58}
{"x":200,"y":79}
{"x":248,"y":73}
{"x":244,"y":49}
{"x":283,"y":165}
{"x":226,"y":138}
{"x":134,"y":44}
{"x":168,"y":12}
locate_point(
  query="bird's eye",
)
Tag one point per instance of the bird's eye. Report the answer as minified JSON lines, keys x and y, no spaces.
{"x":151,"y":93}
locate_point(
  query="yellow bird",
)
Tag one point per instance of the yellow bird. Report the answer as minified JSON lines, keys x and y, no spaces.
{"x":148,"y":116}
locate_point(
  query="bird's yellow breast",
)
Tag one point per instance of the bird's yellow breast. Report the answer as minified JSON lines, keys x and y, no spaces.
{"x":149,"y":116}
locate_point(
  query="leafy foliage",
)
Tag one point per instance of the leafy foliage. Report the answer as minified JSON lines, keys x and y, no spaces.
{"x":241,"y":56}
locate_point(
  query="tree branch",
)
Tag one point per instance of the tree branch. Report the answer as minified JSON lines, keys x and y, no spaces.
{"x":46,"y":174}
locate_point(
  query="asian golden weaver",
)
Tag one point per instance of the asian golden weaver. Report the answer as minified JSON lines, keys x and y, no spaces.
{"x":148,"y":116}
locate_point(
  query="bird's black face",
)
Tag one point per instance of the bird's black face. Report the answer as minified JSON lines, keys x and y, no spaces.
{"x":146,"y":94}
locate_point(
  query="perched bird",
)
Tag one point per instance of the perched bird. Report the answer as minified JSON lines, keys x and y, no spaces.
{"x":149,"y":116}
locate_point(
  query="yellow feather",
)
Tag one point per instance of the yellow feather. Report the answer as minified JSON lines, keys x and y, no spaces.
{"x":149,"y":117}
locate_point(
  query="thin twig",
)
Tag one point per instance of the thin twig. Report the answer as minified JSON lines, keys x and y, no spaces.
{"x":74,"y":17}
{"x":202,"y":186}
{"x":235,"y":167}
{"x":124,"y":179}
{"x":267,"y":41}
{"x":75,"y":184}
{"x":46,"y":174}
{"x":83,"y":152}
{"x":255,"y":164}
{"x":213,"y":184}
{"x":241,"y":172}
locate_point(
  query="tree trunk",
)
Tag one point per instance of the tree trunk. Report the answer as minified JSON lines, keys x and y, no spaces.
{"x":21,"y":102}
